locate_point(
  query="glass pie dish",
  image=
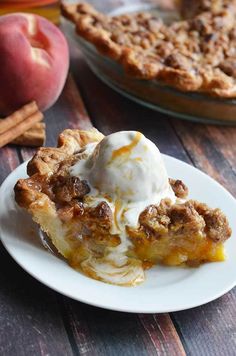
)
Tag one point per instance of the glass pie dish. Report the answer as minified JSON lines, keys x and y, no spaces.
{"x":151,"y":93}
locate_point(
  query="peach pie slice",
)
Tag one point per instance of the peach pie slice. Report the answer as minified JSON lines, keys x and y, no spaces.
{"x":108,"y":206}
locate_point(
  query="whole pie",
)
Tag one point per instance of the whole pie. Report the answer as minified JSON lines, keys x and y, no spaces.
{"x":196,"y":53}
{"x":108,"y":206}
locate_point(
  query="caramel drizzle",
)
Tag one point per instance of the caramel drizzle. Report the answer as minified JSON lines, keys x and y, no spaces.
{"x":118,"y":207}
{"x":126,"y":151}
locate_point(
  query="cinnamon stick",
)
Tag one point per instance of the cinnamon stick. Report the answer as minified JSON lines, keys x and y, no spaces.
{"x":18,"y":129}
{"x":34,"y":137}
{"x":18,"y":116}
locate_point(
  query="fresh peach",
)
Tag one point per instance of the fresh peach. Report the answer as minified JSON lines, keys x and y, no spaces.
{"x":34,"y":60}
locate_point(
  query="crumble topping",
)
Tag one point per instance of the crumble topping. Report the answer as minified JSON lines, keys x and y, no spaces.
{"x":166,"y":218}
{"x":179,"y":188}
{"x":65,"y":189}
{"x":189,"y":218}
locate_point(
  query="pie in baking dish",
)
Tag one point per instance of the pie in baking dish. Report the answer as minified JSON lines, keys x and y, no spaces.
{"x":194,"y":54}
{"x":108,"y":206}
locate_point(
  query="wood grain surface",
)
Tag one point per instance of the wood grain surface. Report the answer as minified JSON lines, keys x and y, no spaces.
{"x":34,"y":320}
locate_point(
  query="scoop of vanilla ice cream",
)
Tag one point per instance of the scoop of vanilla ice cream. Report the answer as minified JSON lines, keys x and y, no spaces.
{"x":125,"y":168}
{"x":128,"y":166}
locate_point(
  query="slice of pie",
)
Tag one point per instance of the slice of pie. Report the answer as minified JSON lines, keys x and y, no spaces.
{"x":108,"y":206}
{"x":196,"y":54}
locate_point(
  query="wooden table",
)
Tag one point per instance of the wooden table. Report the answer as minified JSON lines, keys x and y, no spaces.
{"x":35,"y":320}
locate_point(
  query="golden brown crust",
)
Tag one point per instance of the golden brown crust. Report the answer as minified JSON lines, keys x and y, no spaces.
{"x":47,"y":159}
{"x":197,"y":54}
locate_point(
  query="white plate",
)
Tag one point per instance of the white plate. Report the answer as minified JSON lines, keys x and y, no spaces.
{"x":166,"y":289}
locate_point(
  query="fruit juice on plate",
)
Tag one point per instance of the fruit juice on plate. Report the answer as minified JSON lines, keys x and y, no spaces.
{"x":47,"y":8}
